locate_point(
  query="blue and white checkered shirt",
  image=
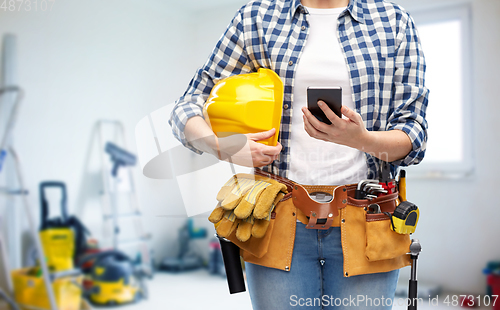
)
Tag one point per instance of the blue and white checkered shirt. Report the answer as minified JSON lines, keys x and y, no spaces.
{"x":381,"y":49}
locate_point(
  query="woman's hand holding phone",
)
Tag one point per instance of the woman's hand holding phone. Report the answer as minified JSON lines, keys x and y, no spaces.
{"x":323,"y":118}
{"x":388,"y":145}
{"x":349,"y":131}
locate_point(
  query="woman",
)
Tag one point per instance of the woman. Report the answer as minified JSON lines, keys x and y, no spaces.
{"x":371,"y":49}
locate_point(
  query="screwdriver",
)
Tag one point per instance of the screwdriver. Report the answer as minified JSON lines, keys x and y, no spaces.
{"x":402,"y":185}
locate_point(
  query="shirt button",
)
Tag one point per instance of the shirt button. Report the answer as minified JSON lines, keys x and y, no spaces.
{"x":290,"y":63}
{"x":303,"y":28}
{"x":285,"y":106}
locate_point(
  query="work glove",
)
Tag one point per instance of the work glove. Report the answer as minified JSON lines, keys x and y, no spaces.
{"x":245,"y":203}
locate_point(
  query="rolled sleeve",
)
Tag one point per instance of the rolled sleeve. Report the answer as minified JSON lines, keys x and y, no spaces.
{"x":410,"y":96}
{"x":185,"y":109}
{"x":227,"y":58}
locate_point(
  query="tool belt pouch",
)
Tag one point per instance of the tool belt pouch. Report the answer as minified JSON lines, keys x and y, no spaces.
{"x":274,"y":248}
{"x":281,"y":227}
{"x":257,"y":247}
{"x":369,"y":244}
{"x":381,"y":242}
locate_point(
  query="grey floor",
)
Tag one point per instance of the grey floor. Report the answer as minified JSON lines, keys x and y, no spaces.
{"x":199,"y":290}
{"x":189,"y":291}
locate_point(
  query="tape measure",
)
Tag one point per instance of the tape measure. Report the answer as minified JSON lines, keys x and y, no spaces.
{"x":405,"y":218}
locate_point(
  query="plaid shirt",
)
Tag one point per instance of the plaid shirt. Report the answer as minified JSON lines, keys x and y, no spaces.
{"x":381,"y":49}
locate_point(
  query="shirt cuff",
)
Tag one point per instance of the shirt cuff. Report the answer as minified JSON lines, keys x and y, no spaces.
{"x":178,"y":121}
{"x":418,"y":140}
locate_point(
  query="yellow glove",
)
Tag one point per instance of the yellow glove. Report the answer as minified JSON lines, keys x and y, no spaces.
{"x":245,"y":203}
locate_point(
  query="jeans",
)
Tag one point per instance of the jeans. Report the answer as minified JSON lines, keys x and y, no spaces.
{"x":315,"y":279}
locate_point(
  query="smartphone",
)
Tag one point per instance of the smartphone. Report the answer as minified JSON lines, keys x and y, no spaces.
{"x":332,"y":96}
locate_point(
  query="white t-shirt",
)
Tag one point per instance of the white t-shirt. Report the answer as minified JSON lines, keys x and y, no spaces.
{"x":322,"y":63}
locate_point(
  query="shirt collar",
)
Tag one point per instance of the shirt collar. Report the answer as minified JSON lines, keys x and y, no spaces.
{"x":296,"y":6}
{"x":355,"y":8}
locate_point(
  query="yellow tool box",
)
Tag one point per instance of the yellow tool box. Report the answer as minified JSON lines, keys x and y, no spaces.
{"x":30,"y":291}
{"x":58,"y":246}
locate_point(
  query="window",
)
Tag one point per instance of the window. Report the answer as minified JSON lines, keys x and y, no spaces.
{"x":445,"y":37}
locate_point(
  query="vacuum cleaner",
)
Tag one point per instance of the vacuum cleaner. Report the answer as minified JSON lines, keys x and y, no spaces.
{"x":114,"y":279}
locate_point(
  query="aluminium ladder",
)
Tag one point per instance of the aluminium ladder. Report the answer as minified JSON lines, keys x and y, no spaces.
{"x":7,"y":149}
{"x":117,"y":192}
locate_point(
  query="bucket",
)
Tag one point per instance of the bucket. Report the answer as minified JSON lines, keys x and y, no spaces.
{"x":29,"y":290}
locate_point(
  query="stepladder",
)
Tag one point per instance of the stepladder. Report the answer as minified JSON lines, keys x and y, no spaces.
{"x":7,"y":150}
{"x":122,"y":214}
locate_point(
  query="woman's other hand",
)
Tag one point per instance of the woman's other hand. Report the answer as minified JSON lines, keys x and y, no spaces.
{"x":251,"y":153}
{"x":350,"y":131}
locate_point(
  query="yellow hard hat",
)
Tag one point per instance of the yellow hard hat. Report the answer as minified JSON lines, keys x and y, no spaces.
{"x":246,"y":103}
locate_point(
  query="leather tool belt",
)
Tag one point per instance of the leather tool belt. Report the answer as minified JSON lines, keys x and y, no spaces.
{"x":320,"y":214}
{"x":368,"y":243}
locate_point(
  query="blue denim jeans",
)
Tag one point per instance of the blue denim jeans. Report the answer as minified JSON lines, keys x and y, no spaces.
{"x":315,"y":279}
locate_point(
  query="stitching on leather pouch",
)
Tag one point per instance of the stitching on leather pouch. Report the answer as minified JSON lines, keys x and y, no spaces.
{"x":357,"y":205}
{"x":368,"y":202}
{"x":325,"y":188}
{"x":377,"y":219}
{"x":342,"y":235}
{"x":290,"y":247}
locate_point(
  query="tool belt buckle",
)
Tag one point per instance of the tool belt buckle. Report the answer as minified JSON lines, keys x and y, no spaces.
{"x":316,"y":222}
{"x":320,"y":207}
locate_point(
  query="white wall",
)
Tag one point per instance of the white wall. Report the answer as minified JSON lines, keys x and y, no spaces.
{"x":206,"y":33}
{"x":88,"y":60}
{"x":459,"y":218}
{"x":118,"y":59}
